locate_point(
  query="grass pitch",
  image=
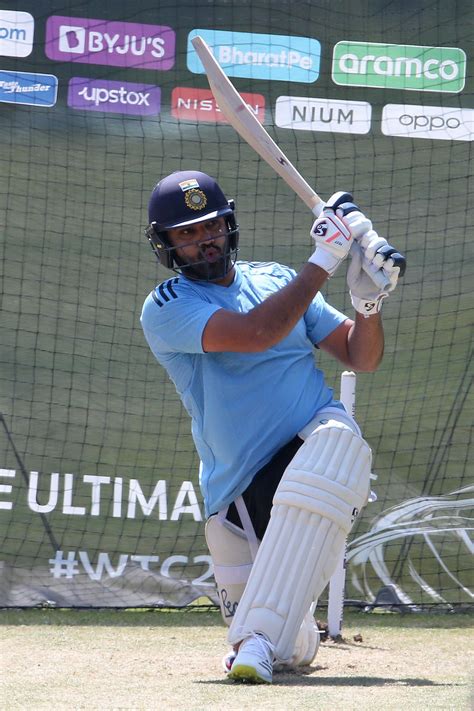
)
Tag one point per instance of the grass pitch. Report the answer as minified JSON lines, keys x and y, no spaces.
{"x":58,"y":659}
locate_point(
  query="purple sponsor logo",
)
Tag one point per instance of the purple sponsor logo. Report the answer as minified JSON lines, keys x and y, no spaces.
{"x":119,"y":44}
{"x":114,"y":96}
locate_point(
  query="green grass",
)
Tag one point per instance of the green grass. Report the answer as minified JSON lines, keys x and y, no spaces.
{"x":171,"y":660}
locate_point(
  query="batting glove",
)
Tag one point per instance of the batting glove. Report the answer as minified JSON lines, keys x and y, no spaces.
{"x":365,"y":270}
{"x":332,"y":233}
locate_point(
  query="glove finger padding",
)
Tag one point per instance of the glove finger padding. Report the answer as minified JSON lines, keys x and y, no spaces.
{"x":357,"y":222}
{"x":366,"y":296}
{"x":388,"y":261}
{"x":372,"y":243}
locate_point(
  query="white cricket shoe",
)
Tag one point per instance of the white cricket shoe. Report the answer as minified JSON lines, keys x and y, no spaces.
{"x":254,"y":661}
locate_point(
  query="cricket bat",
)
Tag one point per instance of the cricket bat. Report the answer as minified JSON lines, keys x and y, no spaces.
{"x":244,"y":121}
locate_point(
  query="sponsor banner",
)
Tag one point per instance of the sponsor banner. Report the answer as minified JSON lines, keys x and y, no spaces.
{"x":200,"y":105}
{"x":28,"y":88}
{"x":436,"y":122}
{"x":119,"y":44}
{"x":16,"y":33}
{"x":114,"y":96}
{"x":305,"y":114}
{"x":260,"y":56}
{"x":398,"y":66}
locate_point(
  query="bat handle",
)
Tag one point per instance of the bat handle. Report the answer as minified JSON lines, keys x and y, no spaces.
{"x":317,"y":207}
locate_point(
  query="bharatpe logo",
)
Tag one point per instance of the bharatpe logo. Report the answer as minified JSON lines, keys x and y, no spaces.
{"x":306,"y":114}
{"x":435,"y":122}
{"x":114,"y":96}
{"x":16,"y":33}
{"x":397,"y":66}
{"x":121,"y":44}
{"x":259,"y":56}
{"x":200,"y":105}
{"x":28,"y":88}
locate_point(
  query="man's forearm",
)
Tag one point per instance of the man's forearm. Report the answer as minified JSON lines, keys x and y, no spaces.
{"x":365,"y":342}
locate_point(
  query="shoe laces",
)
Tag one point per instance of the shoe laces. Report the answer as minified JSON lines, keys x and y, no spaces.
{"x":258,"y":644}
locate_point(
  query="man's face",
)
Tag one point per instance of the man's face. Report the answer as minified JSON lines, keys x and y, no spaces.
{"x":202,"y":249}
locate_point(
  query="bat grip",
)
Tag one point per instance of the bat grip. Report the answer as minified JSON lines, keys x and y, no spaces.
{"x":318,"y":208}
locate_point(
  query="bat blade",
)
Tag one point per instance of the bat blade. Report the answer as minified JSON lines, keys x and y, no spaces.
{"x":250,"y":129}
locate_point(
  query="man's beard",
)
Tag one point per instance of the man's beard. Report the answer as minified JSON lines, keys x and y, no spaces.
{"x":204,"y":270}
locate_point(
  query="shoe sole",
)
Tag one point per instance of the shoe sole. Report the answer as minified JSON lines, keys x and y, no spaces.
{"x":247,"y":674}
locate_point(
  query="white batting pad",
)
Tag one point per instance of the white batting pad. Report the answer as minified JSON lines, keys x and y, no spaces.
{"x":232,"y":559}
{"x":322,"y":490}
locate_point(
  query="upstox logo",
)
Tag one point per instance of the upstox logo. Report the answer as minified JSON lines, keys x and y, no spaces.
{"x":398,"y":66}
{"x":114,"y":96}
{"x":259,"y":56}
{"x":16,"y":33}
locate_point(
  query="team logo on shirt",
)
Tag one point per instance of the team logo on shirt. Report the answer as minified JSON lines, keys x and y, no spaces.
{"x":195,"y":199}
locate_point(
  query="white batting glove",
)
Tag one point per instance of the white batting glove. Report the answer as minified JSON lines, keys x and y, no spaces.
{"x":366,"y":294}
{"x":332,"y":233}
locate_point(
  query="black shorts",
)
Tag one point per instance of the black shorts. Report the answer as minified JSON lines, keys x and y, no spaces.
{"x":258,"y":496}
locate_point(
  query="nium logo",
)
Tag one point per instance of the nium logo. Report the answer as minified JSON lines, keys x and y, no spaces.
{"x":200,"y":105}
{"x":334,"y":116}
{"x":396,"y":66}
{"x":16,"y":33}
{"x":114,"y":96}
{"x":435,"y":122}
{"x":28,"y":88}
{"x":259,"y":56}
{"x":121,"y":44}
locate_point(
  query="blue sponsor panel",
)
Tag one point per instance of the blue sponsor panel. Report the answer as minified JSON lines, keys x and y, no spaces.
{"x":28,"y":88}
{"x":259,"y":56}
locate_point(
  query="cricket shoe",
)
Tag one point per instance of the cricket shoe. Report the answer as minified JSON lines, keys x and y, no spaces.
{"x":254,"y":661}
{"x":228,"y":660}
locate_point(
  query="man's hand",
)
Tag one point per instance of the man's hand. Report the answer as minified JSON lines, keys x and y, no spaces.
{"x":340,"y":223}
{"x":372,"y":254}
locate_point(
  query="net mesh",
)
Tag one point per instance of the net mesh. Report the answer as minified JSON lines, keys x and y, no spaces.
{"x":99,"y":496}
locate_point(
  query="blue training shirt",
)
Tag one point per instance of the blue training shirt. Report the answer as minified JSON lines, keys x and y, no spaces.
{"x":244,"y":406}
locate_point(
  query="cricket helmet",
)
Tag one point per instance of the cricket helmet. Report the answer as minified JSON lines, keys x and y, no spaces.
{"x":184,"y":198}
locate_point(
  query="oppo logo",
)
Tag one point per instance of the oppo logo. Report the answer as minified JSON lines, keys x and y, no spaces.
{"x":396,"y":66}
{"x":436,"y":122}
{"x":433,"y":123}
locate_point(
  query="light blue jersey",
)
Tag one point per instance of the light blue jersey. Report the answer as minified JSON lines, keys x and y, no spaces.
{"x":244,"y":406}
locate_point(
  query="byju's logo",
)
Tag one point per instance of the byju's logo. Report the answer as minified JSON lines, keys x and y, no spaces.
{"x":397,"y":66}
{"x":114,"y":96}
{"x":16,"y":33}
{"x":435,"y":122}
{"x":72,"y":39}
{"x":307,"y":114}
{"x":121,"y":44}
{"x":200,"y":105}
{"x":259,"y":56}
{"x":27,"y":88}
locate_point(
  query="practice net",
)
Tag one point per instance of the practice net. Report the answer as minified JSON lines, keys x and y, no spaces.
{"x":99,"y":496}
